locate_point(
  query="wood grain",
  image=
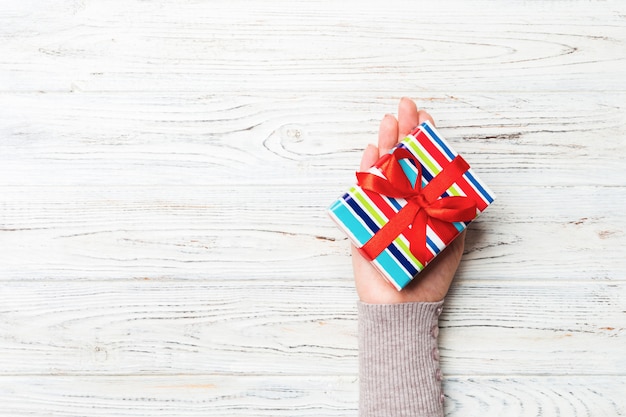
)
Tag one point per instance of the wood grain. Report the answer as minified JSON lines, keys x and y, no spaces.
{"x":288,"y":396}
{"x":230,"y":232}
{"x":165,"y":167}
{"x":308,"y":327}
{"x":321,"y":46}
{"x":133,"y":139}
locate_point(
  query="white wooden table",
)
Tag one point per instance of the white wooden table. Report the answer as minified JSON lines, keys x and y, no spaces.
{"x":165,"y":168}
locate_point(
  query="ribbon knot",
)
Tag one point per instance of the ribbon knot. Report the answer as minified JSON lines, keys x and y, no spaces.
{"x":424,"y":205}
{"x":420,"y":200}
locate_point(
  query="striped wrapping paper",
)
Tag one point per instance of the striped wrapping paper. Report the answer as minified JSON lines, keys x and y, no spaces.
{"x":360,"y":213}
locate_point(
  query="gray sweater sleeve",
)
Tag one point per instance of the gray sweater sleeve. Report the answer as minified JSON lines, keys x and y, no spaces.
{"x":399,"y":360}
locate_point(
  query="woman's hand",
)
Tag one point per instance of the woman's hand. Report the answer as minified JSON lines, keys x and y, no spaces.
{"x":432,"y":283}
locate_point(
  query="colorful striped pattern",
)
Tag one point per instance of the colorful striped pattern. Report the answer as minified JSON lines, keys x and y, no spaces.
{"x":362,"y":213}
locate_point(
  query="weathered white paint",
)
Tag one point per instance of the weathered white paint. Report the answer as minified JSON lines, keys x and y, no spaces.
{"x":165,"y":166}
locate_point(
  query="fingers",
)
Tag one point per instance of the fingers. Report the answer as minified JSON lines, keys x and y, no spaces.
{"x":407,"y":117}
{"x":392,"y":130}
{"x":370,"y":156}
{"x":423,"y":116}
{"x":387,"y":134}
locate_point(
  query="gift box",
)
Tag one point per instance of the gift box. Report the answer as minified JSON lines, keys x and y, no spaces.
{"x":410,"y":205}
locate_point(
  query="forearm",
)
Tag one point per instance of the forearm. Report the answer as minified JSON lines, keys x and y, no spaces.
{"x":399,"y":360}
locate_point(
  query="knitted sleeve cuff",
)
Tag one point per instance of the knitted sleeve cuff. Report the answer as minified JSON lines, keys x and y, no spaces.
{"x":399,"y":360}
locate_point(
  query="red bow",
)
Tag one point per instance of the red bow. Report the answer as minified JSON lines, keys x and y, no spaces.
{"x":423,"y":204}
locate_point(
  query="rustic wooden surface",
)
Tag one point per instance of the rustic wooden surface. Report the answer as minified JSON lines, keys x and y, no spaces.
{"x":165,"y":167}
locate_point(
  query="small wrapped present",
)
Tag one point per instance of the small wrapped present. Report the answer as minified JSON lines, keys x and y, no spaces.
{"x":410,"y":205}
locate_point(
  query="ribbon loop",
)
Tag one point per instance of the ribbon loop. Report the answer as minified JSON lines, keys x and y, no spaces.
{"x":424,"y":205}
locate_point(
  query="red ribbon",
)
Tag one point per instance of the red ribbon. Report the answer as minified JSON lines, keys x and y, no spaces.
{"x":423,"y":204}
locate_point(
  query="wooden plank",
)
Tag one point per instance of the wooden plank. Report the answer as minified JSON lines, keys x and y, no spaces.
{"x":148,"y":140}
{"x":542,"y":328}
{"x":303,"y":328}
{"x":236,"y":232}
{"x":178,"y":395}
{"x":535,"y":396}
{"x":324,"y":46}
{"x":208,"y":395}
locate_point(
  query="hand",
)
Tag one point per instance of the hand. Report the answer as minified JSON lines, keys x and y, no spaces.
{"x":432,"y":283}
